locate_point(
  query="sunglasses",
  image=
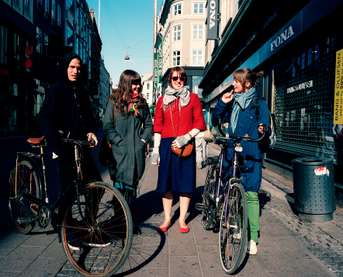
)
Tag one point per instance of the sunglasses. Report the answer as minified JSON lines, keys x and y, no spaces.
{"x":135,"y":82}
{"x":181,"y":78}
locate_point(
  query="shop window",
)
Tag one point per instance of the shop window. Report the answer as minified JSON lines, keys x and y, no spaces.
{"x":316,"y":52}
{"x":39,"y":41}
{"x":16,"y":47}
{"x":3,"y":45}
{"x":309,"y":56}
{"x":302,"y":61}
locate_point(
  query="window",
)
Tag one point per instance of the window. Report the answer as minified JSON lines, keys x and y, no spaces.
{"x":16,"y":47}
{"x":177,"y":9}
{"x":197,"y":57}
{"x":177,"y":32}
{"x":27,"y":8}
{"x":58,"y":14}
{"x":46,"y":7}
{"x":18,"y":5}
{"x":198,"y":8}
{"x":42,"y":42}
{"x":3,"y":45}
{"x":176,"y":58}
{"x":198,"y":31}
{"x":53,"y":11}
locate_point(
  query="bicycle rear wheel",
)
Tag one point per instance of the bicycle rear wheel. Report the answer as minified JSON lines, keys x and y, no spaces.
{"x":233,"y":229}
{"x":209,"y":213}
{"x":96,"y":230}
{"x":19,"y":203}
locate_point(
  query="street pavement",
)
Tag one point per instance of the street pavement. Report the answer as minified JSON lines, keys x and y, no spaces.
{"x":288,"y":246}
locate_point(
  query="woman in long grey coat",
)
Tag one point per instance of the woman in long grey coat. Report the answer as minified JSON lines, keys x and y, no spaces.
{"x":128,"y":127}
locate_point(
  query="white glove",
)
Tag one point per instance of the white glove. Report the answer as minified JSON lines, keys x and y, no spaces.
{"x":54,"y":156}
{"x":155,"y":155}
{"x":155,"y":158}
{"x":181,"y":140}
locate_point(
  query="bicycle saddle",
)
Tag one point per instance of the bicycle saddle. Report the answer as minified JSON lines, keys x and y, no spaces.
{"x":36,"y":141}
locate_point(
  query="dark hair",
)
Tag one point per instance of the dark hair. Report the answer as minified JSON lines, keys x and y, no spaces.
{"x":178,"y":69}
{"x":245,"y":74}
{"x":121,"y":96}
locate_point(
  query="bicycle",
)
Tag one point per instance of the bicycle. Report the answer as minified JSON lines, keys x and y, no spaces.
{"x":94,"y":221}
{"x":224,"y":205}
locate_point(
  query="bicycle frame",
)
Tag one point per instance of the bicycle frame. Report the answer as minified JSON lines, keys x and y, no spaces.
{"x":37,"y":158}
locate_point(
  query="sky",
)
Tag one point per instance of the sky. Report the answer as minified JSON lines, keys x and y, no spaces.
{"x":126,"y":28}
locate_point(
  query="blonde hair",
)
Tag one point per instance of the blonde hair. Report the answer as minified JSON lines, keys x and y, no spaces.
{"x":245,"y":75}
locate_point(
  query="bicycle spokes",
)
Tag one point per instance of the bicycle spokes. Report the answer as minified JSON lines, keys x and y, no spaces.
{"x":233,"y":229}
{"x":97,"y":231}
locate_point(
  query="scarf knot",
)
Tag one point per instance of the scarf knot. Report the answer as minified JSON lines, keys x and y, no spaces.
{"x":171,"y":94}
{"x":241,"y":102}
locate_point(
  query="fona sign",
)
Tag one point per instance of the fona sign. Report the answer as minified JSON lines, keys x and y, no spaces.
{"x":212,"y":13}
{"x":282,"y":38}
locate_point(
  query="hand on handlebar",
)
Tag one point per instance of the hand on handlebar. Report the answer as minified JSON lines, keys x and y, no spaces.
{"x":261,"y":129}
{"x":92,"y":139}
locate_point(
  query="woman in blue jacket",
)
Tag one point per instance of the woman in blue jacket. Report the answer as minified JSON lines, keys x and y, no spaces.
{"x":247,"y":114}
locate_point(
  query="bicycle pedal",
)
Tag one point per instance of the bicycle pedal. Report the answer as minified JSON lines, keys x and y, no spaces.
{"x":25,"y":220}
{"x":199,"y":206}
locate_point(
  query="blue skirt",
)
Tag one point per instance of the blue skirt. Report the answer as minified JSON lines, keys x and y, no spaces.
{"x":175,"y":174}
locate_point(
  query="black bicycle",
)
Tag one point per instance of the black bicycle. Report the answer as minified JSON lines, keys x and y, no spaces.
{"x":224,"y":206}
{"x":94,"y":221}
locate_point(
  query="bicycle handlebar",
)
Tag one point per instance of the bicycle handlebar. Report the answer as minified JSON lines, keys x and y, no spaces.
{"x":224,"y":140}
{"x":81,"y":143}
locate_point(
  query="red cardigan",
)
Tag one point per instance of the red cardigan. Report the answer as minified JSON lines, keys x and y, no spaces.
{"x":172,"y":122}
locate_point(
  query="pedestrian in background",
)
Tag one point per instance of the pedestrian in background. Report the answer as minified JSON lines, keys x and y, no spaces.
{"x":178,"y":119}
{"x":128,"y":128}
{"x":238,"y":107}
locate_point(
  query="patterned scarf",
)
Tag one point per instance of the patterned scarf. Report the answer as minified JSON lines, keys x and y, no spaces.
{"x":171,"y":94}
{"x":132,"y":106}
{"x":241,"y":102}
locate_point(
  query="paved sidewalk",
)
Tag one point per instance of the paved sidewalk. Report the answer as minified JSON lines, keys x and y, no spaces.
{"x":287,"y":247}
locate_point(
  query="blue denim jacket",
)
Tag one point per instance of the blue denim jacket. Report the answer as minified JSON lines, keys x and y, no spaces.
{"x":248,"y":121}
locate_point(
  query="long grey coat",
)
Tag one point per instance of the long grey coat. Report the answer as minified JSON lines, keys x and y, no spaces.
{"x":124,"y":133}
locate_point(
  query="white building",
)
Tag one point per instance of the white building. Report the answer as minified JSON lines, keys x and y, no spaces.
{"x":147,"y":80}
{"x":181,"y":39}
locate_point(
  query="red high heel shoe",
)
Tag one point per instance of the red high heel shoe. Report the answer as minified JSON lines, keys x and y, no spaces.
{"x":165,"y":228}
{"x":184,"y":229}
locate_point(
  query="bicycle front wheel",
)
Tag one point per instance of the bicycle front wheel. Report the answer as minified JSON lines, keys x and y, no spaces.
{"x":96,"y":230}
{"x":24,"y":183}
{"x":233,"y":229}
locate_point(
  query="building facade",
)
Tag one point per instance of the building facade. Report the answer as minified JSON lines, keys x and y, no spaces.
{"x":180,"y":41}
{"x":298,"y":45}
{"x":105,"y":88}
{"x":147,"y":91}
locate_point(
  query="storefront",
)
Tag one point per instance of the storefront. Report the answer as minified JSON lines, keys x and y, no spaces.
{"x":300,"y":66}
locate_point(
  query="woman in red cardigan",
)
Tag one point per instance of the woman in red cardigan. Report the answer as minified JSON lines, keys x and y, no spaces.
{"x":178,"y":119}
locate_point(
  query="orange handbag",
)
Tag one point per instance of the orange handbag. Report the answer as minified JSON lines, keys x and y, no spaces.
{"x":186,"y":150}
